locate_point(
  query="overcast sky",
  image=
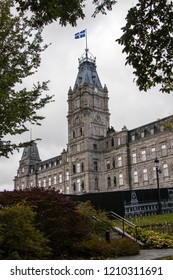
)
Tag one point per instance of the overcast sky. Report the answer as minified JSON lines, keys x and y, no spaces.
{"x":59,"y":64}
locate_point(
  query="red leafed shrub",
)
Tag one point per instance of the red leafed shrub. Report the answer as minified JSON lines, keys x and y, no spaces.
{"x":56,"y":216}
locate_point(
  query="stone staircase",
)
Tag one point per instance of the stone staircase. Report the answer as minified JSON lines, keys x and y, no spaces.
{"x":119,"y":232}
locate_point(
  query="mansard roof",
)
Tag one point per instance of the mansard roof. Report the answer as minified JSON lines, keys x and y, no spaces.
{"x":87,"y":71}
{"x":150,"y":128}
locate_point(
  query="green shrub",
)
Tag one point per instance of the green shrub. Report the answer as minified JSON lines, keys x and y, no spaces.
{"x":126,"y":247}
{"x":97,"y":248}
{"x":153,"y":239}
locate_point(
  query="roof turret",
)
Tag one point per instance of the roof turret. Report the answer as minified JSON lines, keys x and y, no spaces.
{"x":31,"y":153}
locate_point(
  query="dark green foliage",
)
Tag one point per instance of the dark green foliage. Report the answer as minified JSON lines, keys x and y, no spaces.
{"x":56,"y":216}
{"x":65,"y":11}
{"x":98,"y":248}
{"x":148,"y":42}
{"x":20,"y":50}
{"x":126,"y":247}
{"x":19,"y":239}
{"x":96,"y":221}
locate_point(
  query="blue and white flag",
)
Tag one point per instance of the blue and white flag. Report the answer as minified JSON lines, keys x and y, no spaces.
{"x":80,"y":34}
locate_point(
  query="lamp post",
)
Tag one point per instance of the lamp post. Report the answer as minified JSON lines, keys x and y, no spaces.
{"x":156,"y":161}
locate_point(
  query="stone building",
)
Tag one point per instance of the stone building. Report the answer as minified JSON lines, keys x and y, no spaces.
{"x":99,"y":158}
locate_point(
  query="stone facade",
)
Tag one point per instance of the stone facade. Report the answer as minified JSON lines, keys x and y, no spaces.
{"x":98,"y":158}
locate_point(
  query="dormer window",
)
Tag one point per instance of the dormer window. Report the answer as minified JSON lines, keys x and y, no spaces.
{"x":152,"y":131}
{"x":142,"y":134}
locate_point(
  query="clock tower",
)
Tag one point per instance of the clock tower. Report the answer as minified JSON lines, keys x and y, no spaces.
{"x":88,"y":121}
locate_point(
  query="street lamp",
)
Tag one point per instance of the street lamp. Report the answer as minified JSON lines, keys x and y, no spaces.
{"x":156,"y":161}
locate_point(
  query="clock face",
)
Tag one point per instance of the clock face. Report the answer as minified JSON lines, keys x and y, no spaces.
{"x":77,"y":119}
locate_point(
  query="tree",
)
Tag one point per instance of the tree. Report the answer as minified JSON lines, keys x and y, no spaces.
{"x":19,"y":239}
{"x":66,"y":11}
{"x":56,"y":216}
{"x":20,"y":50}
{"x":148,"y":42}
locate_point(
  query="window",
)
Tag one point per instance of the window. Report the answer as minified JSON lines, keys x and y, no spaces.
{"x":39,"y":183}
{"x":133,"y":137}
{"x":82,"y":186}
{"x":82,"y":167}
{"x":112,"y":142}
{"x":78,"y":167}
{"x":152,"y":131}
{"x":78,"y":148}
{"x":67,"y":190}
{"x":163,"y":150}
{"x":115,"y":181}
{"x":142,"y":134}
{"x":145,"y":174}
{"x":119,"y":161}
{"x":49,"y":181}
{"x":153,"y":152}
{"x":154,"y":172}
{"x":81,"y":131}
{"x":161,"y":128}
{"x":134,"y":158}
{"x":95,"y":166}
{"x":135,"y":176}
{"x":108,"y":164}
{"x":143,"y":155}
{"x":67,"y":175}
{"x":96,"y":183}
{"x":60,"y":178}
{"x":54,"y":180}
{"x":78,"y":185}
{"x":95,"y":146}
{"x":119,"y":141}
{"x":121,"y":181}
{"x":44,"y":182}
{"x":109,"y":181}
{"x":113,"y":163}
{"x":165,"y":170}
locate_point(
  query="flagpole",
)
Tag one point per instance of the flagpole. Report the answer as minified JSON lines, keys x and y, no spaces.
{"x":86,"y":41}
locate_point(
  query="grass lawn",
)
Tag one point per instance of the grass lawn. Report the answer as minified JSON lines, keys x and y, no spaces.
{"x":161,"y":219}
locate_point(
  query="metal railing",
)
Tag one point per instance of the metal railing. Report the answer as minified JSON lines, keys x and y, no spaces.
{"x":124,"y":222}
